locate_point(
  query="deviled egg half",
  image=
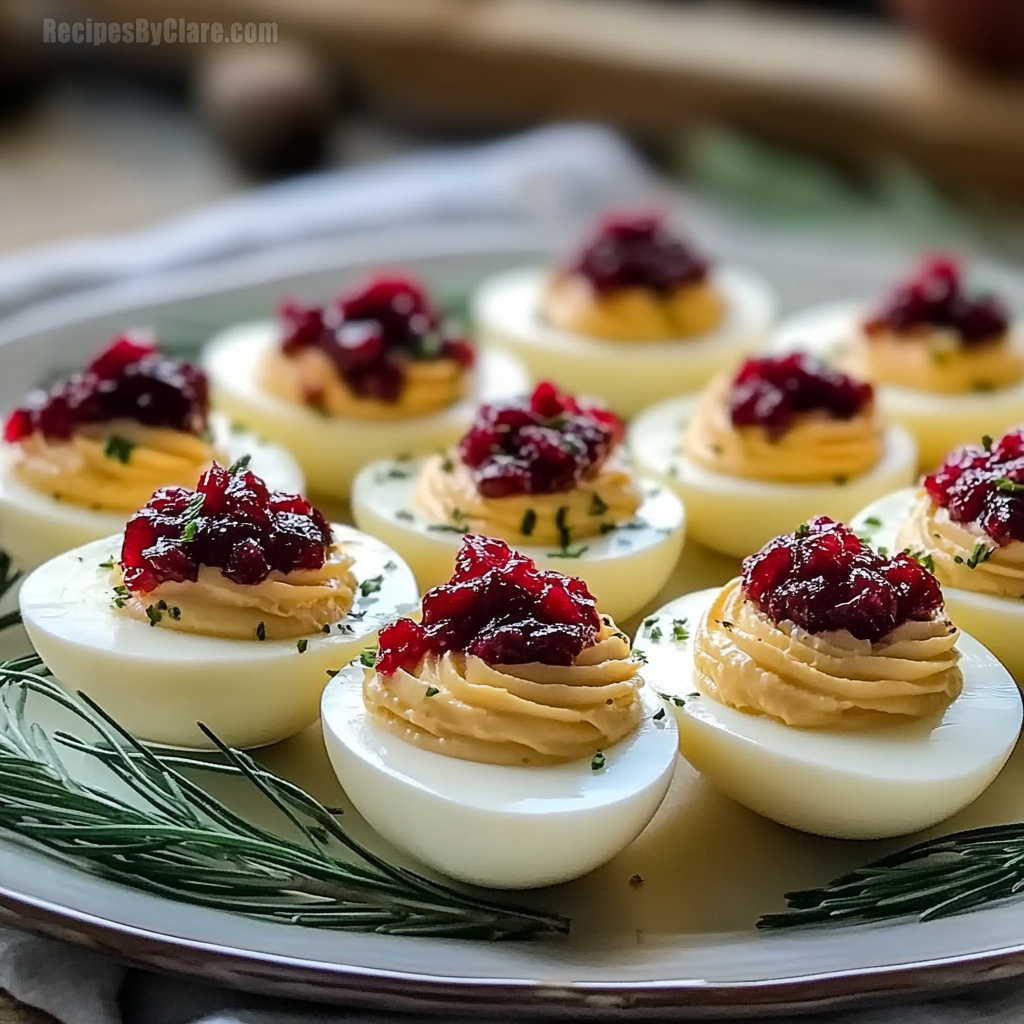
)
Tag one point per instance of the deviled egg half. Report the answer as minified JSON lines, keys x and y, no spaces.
{"x":230,"y":605}
{"x":547,"y":474}
{"x":508,"y":739}
{"x":826,"y":688}
{"x":966,"y":524}
{"x":948,"y":363}
{"x":79,"y":458}
{"x":633,"y":316}
{"x":768,"y":445}
{"x":370,"y":374}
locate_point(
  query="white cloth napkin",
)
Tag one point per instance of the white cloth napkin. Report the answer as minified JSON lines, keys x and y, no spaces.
{"x":563,"y":173}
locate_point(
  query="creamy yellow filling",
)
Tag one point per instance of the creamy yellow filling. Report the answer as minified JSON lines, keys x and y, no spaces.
{"x":446,"y":495}
{"x":815,"y":449}
{"x":308,"y":377}
{"x":829,"y":681}
{"x":113,"y":466}
{"x":934,"y":360}
{"x":283,"y":606}
{"x":964,"y":556}
{"x":570,"y":303}
{"x":513,"y":714}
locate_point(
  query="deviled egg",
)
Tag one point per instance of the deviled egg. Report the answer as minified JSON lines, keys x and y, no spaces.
{"x":780,"y":439}
{"x":948,"y":364}
{"x":373,"y":373}
{"x":228,"y":605}
{"x":79,"y":458}
{"x":634,"y":316}
{"x":966,"y":524}
{"x":826,"y":688}
{"x":508,"y":739}
{"x":547,"y":474}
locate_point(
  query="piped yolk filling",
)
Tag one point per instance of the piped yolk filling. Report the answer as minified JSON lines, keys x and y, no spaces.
{"x":530,"y":714}
{"x":827,"y":681}
{"x":571,"y":303}
{"x":113,"y":467}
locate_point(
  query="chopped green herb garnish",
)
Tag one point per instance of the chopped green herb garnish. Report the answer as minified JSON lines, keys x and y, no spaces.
{"x":447,"y":528}
{"x":564,"y":533}
{"x":175,"y":613}
{"x":672,"y":699}
{"x":658,"y":715}
{"x":986,"y":442}
{"x":368,"y":657}
{"x":597,"y":762}
{"x":261,"y":632}
{"x":108,"y":564}
{"x":526,"y":527}
{"x":119,"y":448}
{"x":154,"y":614}
{"x":390,"y":565}
{"x":639,"y":655}
{"x":1007,"y":486}
{"x":598,"y":506}
{"x":922,"y":557}
{"x":803,"y":530}
{"x":447,"y":463}
{"x":607,"y":528}
{"x":655,"y":634}
{"x":981,"y":553}
{"x":680,"y":630}
{"x":570,"y":552}
{"x":371,"y":585}
{"x":239,"y":464}
{"x":873,"y":521}
{"x":431,"y":691}
{"x":404,"y":515}
{"x":301,"y":644}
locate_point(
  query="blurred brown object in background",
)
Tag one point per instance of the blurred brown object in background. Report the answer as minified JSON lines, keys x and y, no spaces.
{"x":984,"y":34}
{"x":24,"y":70}
{"x":272,"y":106}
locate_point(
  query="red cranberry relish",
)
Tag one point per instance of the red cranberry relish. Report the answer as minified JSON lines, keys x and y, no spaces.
{"x":984,"y":484}
{"x":636,"y":250}
{"x":935,"y":297}
{"x":232,"y":522}
{"x":130,"y":379}
{"x":771,"y":392}
{"x":823,"y":579}
{"x":499,"y":606}
{"x":543,"y":444}
{"x":370,"y":330}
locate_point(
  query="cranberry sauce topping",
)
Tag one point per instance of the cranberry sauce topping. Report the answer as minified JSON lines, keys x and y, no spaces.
{"x":935,"y":297}
{"x":499,"y":606}
{"x":130,"y":379}
{"x":231,"y":521}
{"x":370,"y":330}
{"x":984,"y":484}
{"x":823,"y":578}
{"x":543,"y":444}
{"x":636,"y":250}
{"x":771,"y":392}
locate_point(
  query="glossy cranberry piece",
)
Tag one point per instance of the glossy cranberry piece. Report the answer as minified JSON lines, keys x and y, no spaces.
{"x":771,"y":392}
{"x":543,"y":444}
{"x":231,"y":522}
{"x":499,"y":607}
{"x":824,"y":579}
{"x":371,"y":331}
{"x":130,"y":379}
{"x":976,"y":484}
{"x":637,"y":250}
{"x":935,"y":297}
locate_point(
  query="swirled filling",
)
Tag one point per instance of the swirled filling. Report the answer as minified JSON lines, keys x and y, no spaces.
{"x":379,"y":352}
{"x":544,"y":470}
{"x":787,"y":419}
{"x":930,"y":334}
{"x":969,"y":518}
{"x":821,"y":631}
{"x":133,"y":420}
{"x":509,"y":665}
{"x":633,"y":280}
{"x":232,"y":559}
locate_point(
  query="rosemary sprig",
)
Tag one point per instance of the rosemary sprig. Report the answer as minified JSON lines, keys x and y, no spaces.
{"x":170,"y":837}
{"x":937,"y":878}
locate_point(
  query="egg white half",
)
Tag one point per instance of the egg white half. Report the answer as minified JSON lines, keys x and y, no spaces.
{"x":628,"y":375}
{"x":872,"y":784}
{"x":332,"y":450}
{"x":34,"y":527}
{"x":158,"y":683}
{"x":495,"y":825}
{"x":998,"y":622}
{"x":737,"y":516}
{"x":624,"y":569}
{"x":938,"y":422}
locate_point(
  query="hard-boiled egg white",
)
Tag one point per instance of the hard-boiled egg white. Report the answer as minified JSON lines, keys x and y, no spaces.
{"x":34,"y":527}
{"x":624,"y":569}
{"x":331,"y":450}
{"x":867,"y":784}
{"x":737,"y":516}
{"x":627,"y":375}
{"x":158,"y":683}
{"x":495,"y":825}
{"x":998,"y":622}
{"x":938,"y":422}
